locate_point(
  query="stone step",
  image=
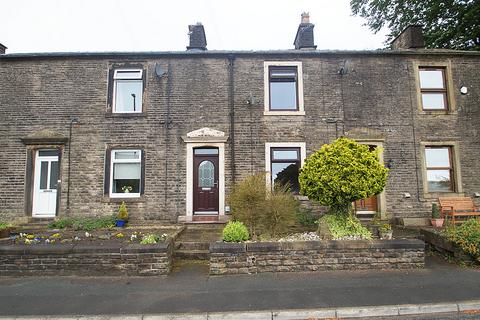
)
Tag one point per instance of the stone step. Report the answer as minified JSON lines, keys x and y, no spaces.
{"x":191,"y":245}
{"x":192,"y":254}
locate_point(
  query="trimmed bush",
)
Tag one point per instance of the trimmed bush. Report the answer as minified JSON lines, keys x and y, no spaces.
{"x":122,"y":212}
{"x":86,"y":224}
{"x":341,"y":173}
{"x":235,"y":231}
{"x":467,"y":236}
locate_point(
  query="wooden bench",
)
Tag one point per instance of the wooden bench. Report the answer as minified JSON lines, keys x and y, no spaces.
{"x":458,"y":207}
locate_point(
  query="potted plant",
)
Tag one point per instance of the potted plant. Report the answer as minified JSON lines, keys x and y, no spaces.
{"x":436,"y":220}
{"x":127,"y":189}
{"x":5,"y":229}
{"x":122,"y":216}
{"x":386,"y":231}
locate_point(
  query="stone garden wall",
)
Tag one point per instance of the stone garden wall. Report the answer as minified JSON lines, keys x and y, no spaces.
{"x":256,"y":257}
{"x":71,"y":259}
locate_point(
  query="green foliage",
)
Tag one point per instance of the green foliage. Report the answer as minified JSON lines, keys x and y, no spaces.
{"x":306,"y":218}
{"x":150,"y":239}
{"x":235,"y":231}
{"x":452,"y":24}
{"x":247,"y":201}
{"x":280,"y":210}
{"x":467,"y":236}
{"x":341,"y":173}
{"x":435,"y":211}
{"x":122,"y":212}
{"x":384,"y":228}
{"x":86,"y":224}
{"x":341,"y":226}
{"x":5,"y":225}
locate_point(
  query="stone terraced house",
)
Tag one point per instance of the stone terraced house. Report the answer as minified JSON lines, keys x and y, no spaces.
{"x":169,"y":133}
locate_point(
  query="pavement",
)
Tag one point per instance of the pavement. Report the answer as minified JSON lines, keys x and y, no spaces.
{"x":440,"y":287}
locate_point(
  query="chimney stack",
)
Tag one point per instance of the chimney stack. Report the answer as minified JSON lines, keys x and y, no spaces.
{"x":304,"y":38}
{"x":198,"y":41}
{"x":410,"y":38}
{"x":2,"y":49}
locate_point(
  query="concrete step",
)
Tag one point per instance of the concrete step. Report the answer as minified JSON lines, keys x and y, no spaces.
{"x":192,"y":254}
{"x":191,"y":245}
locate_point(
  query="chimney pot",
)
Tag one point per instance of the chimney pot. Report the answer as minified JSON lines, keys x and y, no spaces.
{"x":410,"y":38}
{"x":304,"y":39}
{"x":198,"y":41}
{"x":2,"y":49}
{"x":305,"y":17}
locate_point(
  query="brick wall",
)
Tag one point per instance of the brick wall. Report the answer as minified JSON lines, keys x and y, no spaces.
{"x":378,"y":92}
{"x":234,"y":258}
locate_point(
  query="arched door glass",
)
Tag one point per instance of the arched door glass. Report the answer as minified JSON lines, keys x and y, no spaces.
{"x":206,"y":174}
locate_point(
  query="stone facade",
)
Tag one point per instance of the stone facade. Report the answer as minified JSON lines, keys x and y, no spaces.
{"x":62,"y":260}
{"x":234,"y":258}
{"x":371,"y":96}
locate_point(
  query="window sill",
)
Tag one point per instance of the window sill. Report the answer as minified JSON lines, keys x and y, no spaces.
{"x":437,"y":112}
{"x":125,"y":115}
{"x":141,"y":199}
{"x":283,"y":113}
{"x":436,"y":195}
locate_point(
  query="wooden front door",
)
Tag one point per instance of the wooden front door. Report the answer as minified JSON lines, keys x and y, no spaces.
{"x":205,"y":181}
{"x":368,"y":205}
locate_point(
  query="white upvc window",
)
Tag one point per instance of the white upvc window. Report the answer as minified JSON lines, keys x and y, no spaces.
{"x":283,"y":88}
{"x":127,"y":90}
{"x":125,"y":173}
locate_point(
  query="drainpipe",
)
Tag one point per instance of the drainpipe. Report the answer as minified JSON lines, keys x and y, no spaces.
{"x":72,"y":121}
{"x":231,"y":102}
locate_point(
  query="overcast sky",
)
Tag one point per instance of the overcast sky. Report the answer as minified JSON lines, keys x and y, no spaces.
{"x":155,"y":25}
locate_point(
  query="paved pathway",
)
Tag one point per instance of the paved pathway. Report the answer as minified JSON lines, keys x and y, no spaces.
{"x":191,"y":290}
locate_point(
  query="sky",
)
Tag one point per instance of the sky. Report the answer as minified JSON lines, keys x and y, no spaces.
{"x":157,"y":25}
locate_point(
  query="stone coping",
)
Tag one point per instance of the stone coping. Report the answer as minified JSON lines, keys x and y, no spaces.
{"x":60,"y":249}
{"x":228,"y":247}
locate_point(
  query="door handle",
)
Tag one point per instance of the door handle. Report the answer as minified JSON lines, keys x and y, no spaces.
{"x":215,"y":184}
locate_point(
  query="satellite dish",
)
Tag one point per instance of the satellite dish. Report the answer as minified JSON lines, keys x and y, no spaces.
{"x":159,"y":71}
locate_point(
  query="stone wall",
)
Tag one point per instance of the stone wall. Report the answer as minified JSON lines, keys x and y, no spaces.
{"x":234,"y":258}
{"x":71,"y":259}
{"x":377,"y":93}
{"x":436,"y":241}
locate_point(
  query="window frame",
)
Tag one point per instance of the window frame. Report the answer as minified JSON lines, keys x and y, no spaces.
{"x":269,"y":146}
{"x":113,"y":161}
{"x":455,"y":163}
{"x":114,"y":88}
{"x":450,"y":169}
{"x":298,"y":160}
{"x":272,"y":69}
{"x":272,"y":65}
{"x":443,"y":91}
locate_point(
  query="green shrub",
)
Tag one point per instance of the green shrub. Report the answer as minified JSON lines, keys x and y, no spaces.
{"x":280,"y":210}
{"x":122,"y":212}
{"x":342,"y":226}
{"x":341,"y":173}
{"x":150,"y":239}
{"x":306,"y":218}
{"x":235,"y":231}
{"x":435,"y":211}
{"x":247,"y":202}
{"x":86,"y":224}
{"x":5,"y":225}
{"x":384,"y":228}
{"x":467,"y":236}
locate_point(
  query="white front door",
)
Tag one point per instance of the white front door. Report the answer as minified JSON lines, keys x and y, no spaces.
{"x":45,"y":183}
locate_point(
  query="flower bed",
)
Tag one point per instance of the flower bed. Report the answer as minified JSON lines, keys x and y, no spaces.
{"x":439,"y":242}
{"x":258,"y":257}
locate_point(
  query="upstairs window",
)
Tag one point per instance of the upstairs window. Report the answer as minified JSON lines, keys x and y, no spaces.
{"x":433,"y":88}
{"x":125,"y":175}
{"x":127,"y":90}
{"x":283,"y":88}
{"x":439,"y":169}
{"x":285,"y":166}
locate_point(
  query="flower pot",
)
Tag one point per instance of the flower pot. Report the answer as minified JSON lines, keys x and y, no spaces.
{"x":386,"y":235}
{"x":120,"y":223}
{"x":5,"y":233}
{"x":437,"y":223}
